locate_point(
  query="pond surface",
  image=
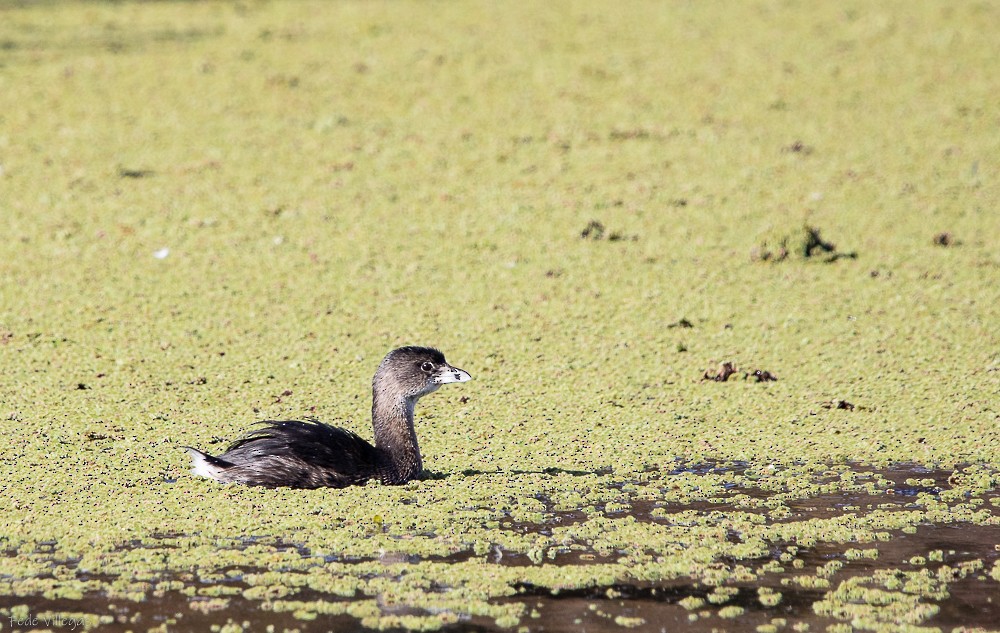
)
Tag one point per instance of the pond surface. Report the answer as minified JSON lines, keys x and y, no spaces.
{"x":905,"y":546}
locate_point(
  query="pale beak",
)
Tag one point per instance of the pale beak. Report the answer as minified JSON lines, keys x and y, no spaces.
{"x":448,"y":374}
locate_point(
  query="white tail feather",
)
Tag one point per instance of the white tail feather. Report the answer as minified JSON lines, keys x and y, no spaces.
{"x":201,"y":465}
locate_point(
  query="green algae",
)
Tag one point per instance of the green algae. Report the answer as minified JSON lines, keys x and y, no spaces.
{"x":217,"y":213}
{"x":568,"y":551}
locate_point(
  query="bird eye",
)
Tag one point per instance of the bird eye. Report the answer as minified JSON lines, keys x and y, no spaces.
{"x":426,"y":366}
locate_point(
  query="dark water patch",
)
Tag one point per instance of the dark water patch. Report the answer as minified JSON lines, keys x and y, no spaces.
{"x":597,"y":609}
{"x":668,"y":592}
{"x":709,"y":467}
{"x":173,"y":609}
{"x":552,"y":470}
{"x":664,"y":607}
{"x":927,"y":546}
{"x":758,"y":580}
{"x":841,"y":503}
{"x":971,"y":601}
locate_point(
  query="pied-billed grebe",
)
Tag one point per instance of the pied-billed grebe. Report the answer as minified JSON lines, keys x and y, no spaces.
{"x":313,"y":454}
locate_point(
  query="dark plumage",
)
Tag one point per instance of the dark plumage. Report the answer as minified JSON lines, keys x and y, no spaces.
{"x":313,"y":454}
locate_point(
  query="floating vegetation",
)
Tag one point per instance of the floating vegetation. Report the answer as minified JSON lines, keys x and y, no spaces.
{"x":135,"y":173}
{"x":595,"y":231}
{"x":218,"y":213}
{"x":801,"y":543}
{"x":807,"y":244}
{"x":726,"y":370}
{"x":838,"y":404}
{"x":681,"y":323}
{"x":720,"y":374}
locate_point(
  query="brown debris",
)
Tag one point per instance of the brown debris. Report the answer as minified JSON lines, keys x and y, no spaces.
{"x":135,"y":173}
{"x":838,"y":404}
{"x":945,"y":239}
{"x":808,"y":244}
{"x":683,"y":323}
{"x":627,"y":135}
{"x":764,"y":253}
{"x":722,"y":374}
{"x":798,"y":147}
{"x":761,"y":375}
{"x":727,"y":369}
{"x":595,"y":231}
{"x":815,"y":242}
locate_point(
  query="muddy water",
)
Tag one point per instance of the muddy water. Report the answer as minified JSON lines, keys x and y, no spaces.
{"x":972,"y":602}
{"x":805,"y":575}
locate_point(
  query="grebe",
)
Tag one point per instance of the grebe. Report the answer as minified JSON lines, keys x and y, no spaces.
{"x":313,"y":455}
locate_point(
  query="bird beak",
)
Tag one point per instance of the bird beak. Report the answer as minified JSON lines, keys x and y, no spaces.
{"x":451,"y":374}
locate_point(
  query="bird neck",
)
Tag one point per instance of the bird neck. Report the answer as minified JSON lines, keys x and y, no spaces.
{"x":395,"y":437}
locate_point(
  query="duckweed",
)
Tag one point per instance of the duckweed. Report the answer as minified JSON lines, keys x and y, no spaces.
{"x":217,"y":213}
